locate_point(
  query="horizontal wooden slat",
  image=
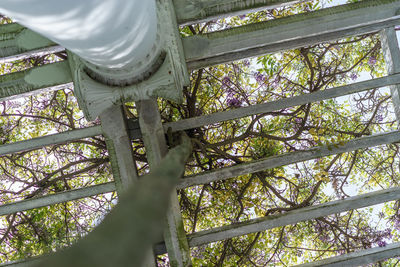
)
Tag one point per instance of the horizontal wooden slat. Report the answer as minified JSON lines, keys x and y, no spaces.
{"x":359,"y":258}
{"x":33,"y":53}
{"x":61,"y":197}
{"x":29,"y":262}
{"x":290,"y":32}
{"x":191,"y":12}
{"x":52,"y":139}
{"x":17,"y":42}
{"x":290,"y":217}
{"x":281,"y":104}
{"x":288,"y":158}
{"x":15,"y":39}
{"x":26,"y":82}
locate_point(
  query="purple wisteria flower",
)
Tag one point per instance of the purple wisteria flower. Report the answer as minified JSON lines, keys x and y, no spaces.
{"x":242,"y":17}
{"x":354,"y":76}
{"x":234,"y":102}
{"x":379,"y":118}
{"x":397,"y":224}
{"x":372,"y":60}
{"x":246,"y":62}
{"x":260,"y":78}
{"x":226,"y":81}
{"x":381,"y":243}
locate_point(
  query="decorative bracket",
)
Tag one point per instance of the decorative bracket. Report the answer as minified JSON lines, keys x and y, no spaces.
{"x":94,"y":96}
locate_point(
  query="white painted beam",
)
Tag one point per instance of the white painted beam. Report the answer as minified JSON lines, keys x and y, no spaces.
{"x":40,"y":52}
{"x":359,"y":258}
{"x":15,"y":39}
{"x":119,"y":146}
{"x":288,"y":158}
{"x":290,"y":217}
{"x":23,"y":83}
{"x":191,"y":12}
{"x":281,"y":103}
{"x":56,"y":198}
{"x":290,"y":32}
{"x":391,"y":52}
{"x":51,"y":139}
{"x":156,"y":148}
{"x":17,"y":42}
{"x":30,"y":262}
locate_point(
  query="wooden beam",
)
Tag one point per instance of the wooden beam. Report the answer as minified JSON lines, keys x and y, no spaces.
{"x":391,"y":52}
{"x":191,"y":12}
{"x":156,"y":148}
{"x":281,"y":104}
{"x":288,"y":158}
{"x":51,"y":139}
{"x":17,"y":40}
{"x":52,"y":199}
{"x":46,"y":77}
{"x":119,"y":146}
{"x":29,"y":262}
{"x":35,"y":53}
{"x":291,"y":217}
{"x":359,"y":258}
{"x":290,"y":32}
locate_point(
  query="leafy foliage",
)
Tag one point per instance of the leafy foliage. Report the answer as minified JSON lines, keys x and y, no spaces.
{"x":251,"y":81}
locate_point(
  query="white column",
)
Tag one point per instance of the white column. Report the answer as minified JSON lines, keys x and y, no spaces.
{"x":110,"y":34}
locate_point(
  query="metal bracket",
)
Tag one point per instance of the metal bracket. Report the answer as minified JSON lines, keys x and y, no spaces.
{"x":94,"y":97}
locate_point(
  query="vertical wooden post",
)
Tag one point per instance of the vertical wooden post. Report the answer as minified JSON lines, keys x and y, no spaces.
{"x":391,"y":52}
{"x":156,"y":149}
{"x":119,"y":146}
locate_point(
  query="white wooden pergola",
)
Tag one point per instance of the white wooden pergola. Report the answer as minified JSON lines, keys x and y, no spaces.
{"x":368,"y":16}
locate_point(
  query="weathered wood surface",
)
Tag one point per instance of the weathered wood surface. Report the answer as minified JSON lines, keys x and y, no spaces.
{"x":22,"y":263}
{"x":15,"y":40}
{"x":290,"y":32}
{"x":51,"y":139}
{"x":359,"y":258}
{"x":156,"y":149}
{"x":289,"y":217}
{"x":123,"y":164}
{"x":23,"y":83}
{"x":391,"y":52}
{"x":196,"y":11}
{"x":52,"y":199}
{"x":119,"y":147}
{"x":288,"y":158}
{"x":281,"y":104}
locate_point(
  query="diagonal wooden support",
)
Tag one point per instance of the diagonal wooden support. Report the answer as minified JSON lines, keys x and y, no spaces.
{"x":156,"y":149}
{"x":391,"y":52}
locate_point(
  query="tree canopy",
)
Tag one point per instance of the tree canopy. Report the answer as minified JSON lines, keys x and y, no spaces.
{"x":251,"y":81}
